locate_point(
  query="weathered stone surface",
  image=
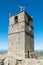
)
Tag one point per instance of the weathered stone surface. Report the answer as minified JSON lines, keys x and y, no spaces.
{"x":10,"y":61}
{"x":16,"y":44}
{"x":20,"y":18}
{"x":29,"y":46}
{"x":19,"y":39}
{"x":17,"y":28}
{"x":13,"y":61}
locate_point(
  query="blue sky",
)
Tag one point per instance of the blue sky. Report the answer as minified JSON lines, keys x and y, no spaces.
{"x":32,"y":7}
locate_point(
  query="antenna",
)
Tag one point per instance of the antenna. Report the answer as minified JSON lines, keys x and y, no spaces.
{"x":22,"y":8}
{"x":31,"y":16}
{"x":9,"y":14}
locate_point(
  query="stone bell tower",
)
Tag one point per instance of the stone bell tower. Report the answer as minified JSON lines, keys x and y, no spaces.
{"x":20,"y":35}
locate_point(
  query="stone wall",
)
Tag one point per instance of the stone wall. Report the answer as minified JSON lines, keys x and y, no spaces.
{"x":20,"y":18}
{"x":17,"y":44}
{"x":17,"y":28}
{"x":16,"y":37}
{"x":29,"y":44}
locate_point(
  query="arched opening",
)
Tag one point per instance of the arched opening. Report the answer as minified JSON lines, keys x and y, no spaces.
{"x":16,"y":19}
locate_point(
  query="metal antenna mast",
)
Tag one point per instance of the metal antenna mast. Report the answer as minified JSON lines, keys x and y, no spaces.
{"x":22,"y":8}
{"x":9,"y":14}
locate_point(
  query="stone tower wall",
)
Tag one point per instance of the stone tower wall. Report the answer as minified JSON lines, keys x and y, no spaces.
{"x":28,"y":45}
{"x":17,"y":27}
{"x":16,"y":37}
{"x":29,"y":39}
{"x":17,"y":44}
{"x":19,"y":40}
{"x":20,"y":18}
